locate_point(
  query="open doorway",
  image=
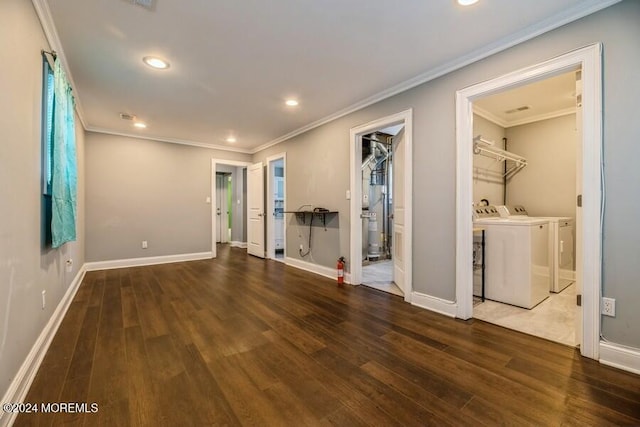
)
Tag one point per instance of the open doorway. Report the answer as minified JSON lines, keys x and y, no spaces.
{"x":524,"y":168}
{"x":381,"y":221}
{"x":228,"y":203}
{"x":588,"y":186}
{"x":276,"y":206}
{"x":377,"y":209}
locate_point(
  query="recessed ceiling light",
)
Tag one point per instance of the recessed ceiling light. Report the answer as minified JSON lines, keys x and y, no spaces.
{"x":467,"y":2}
{"x":140,"y":125}
{"x":291,"y":102}
{"x":231,"y":139}
{"x":155,"y":62}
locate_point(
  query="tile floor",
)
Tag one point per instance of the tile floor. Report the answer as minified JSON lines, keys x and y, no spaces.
{"x":553,"y":318}
{"x":379,"y":275}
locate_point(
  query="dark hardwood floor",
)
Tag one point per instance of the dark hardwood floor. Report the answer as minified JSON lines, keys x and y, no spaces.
{"x":243,"y":341}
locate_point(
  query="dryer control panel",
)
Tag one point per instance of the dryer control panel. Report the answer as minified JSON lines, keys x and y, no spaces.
{"x":485,"y":212}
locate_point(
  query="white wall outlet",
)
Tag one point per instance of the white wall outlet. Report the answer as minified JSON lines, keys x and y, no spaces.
{"x":145,"y":245}
{"x":44,"y":301}
{"x":608,"y":307}
{"x":207,"y":200}
{"x":301,"y":247}
{"x":69,"y":265}
{"x":348,"y":194}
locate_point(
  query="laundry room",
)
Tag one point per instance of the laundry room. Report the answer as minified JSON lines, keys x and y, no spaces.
{"x":525,"y":177}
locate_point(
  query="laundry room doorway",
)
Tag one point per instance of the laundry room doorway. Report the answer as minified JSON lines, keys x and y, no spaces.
{"x":380,"y":192}
{"x":477,"y":179}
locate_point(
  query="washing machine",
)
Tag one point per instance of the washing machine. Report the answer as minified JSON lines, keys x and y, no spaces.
{"x":516,"y":258}
{"x":561,"y":245}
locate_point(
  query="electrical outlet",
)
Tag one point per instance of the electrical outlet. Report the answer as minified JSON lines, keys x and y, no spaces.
{"x":144,"y":244}
{"x":69,"y":265}
{"x":609,"y":307}
{"x":301,"y":247}
{"x":44,"y":301}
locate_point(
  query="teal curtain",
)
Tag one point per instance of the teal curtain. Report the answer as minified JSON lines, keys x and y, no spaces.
{"x":64,"y":179}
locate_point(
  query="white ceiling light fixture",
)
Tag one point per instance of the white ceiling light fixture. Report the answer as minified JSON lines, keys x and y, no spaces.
{"x":291,"y":103}
{"x":155,"y":62}
{"x":231,"y":139}
{"x":467,"y":2}
{"x":140,"y":125}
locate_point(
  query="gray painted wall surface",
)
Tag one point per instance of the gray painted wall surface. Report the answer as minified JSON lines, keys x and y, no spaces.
{"x":547,"y":186}
{"x":319,"y":162}
{"x":26,"y":269}
{"x":147,"y":190}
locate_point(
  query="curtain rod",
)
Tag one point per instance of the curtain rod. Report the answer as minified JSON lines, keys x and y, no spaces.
{"x":52,"y":53}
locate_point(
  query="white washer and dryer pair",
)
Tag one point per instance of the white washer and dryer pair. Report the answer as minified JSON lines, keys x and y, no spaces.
{"x":516,"y":257}
{"x":561,"y":246}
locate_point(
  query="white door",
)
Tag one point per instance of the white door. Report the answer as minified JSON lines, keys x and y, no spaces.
{"x":255,"y":208}
{"x":578,"y":225}
{"x":398,"y":199}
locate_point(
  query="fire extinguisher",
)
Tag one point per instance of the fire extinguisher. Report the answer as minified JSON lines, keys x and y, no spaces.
{"x":340,"y":268}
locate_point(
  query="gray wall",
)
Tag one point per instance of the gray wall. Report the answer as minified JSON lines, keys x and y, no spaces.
{"x":547,"y":186}
{"x":147,"y":190}
{"x":319,"y":162}
{"x":487,"y":172}
{"x":25,"y":268}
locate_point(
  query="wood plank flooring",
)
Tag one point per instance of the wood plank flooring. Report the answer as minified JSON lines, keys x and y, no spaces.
{"x":244,"y":341}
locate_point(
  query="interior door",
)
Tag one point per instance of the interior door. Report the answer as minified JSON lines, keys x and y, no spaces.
{"x":255,"y":208}
{"x":578,"y":227}
{"x":398,"y":198}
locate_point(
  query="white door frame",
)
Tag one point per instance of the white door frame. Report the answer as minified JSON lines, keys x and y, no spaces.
{"x":214,"y":163}
{"x":589,"y":59}
{"x":271,"y":248}
{"x":355,"y":153}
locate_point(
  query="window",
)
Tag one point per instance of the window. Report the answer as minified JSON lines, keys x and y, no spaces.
{"x":47,"y":150}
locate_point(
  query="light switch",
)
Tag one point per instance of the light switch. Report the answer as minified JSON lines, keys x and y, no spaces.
{"x":348,"y":194}
{"x":208,"y":200}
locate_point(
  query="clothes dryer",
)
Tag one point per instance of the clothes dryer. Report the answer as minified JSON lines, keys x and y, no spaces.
{"x":516,"y":258}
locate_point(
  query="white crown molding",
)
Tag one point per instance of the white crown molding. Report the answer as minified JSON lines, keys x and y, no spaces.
{"x":524,"y":121}
{"x":569,"y":15}
{"x":488,"y":115}
{"x":50,"y":33}
{"x":551,"y":23}
{"x":169,"y":140}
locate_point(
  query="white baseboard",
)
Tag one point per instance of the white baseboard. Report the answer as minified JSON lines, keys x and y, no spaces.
{"x":138,"y":262}
{"x":21,"y":383}
{"x":235,"y":244}
{"x":321,"y":270}
{"x":619,"y":356}
{"x":448,"y":308}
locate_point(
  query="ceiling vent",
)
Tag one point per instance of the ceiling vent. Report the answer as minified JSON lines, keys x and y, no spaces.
{"x":147,"y":4}
{"x":518,"y":110}
{"x":125,"y":116}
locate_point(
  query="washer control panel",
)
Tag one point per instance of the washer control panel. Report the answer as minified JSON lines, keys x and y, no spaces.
{"x":485,"y":212}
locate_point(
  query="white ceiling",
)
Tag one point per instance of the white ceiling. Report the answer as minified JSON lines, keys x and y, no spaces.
{"x":234,"y":62}
{"x":547,"y":98}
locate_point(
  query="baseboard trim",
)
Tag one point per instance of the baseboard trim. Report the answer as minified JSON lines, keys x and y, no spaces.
{"x":21,"y":383}
{"x":138,"y":262}
{"x":619,"y":356}
{"x":235,"y":244}
{"x":321,"y":270}
{"x":438,"y":305}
